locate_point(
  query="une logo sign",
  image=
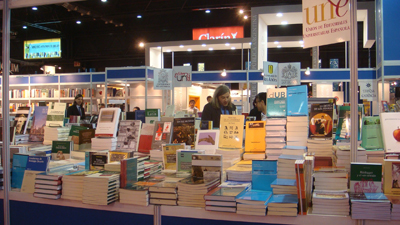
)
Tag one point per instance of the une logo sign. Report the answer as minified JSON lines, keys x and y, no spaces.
{"x":326,"y":11}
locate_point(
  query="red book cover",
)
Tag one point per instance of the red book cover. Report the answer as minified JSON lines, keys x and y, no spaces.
{"x":145,"y":143}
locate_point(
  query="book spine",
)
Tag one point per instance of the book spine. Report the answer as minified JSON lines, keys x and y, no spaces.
{"x":301,"y":188}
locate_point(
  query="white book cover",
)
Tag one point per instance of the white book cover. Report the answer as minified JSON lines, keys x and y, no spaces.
{"x":170,"y":111}
{"x":390,"y":124}
{"x":56,"y":115}
{"x":128,"y":135}
{"x":107,"y":124}
{"x":207,"y":139}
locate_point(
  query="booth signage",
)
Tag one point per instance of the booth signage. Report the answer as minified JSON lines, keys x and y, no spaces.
{"x":218,"y":33}
{"x":182,"y":76}
{"x":325,"y":22}
{"x":270,"y":73}
{"x":289,"y":74}
{"x":163,"y":79}
{"x":368,"y":90}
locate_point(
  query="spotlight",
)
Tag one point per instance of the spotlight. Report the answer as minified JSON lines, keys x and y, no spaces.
{"x":307,"y":71}
{"x":223,"y":73}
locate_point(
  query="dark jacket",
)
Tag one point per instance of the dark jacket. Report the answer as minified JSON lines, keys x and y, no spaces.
{"x":73,"y":111}
{"x":256,"y":113}
{"x":214,"y":114}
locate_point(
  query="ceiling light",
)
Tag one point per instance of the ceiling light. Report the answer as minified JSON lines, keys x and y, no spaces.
{"x":284,"y":22}
{"x":139,"y":16}
{"x":59,"y":67}
{"x":302,"y":46}
{"x":168,"y":50}
{"x":301,"y":42}
{"x":103,"y":0}
{"x":276,"y":42}
{"x":223,"y":73}
{"x":279,"y":14}
{"x":310,"y":84}
{"x":78,"y":22}
{"x":227,"y":44}
{"x":180,"y":46}
{"x":279,"y":46}
{"x":208,"y":11}
{"x":24,"y":27}
{"x":141,"y":44}
{"x":233,"y":48}
{"x":307,"y":71}
{"x":245,"y":17}
{"x":241,"y":11}
{"x":159,"y":47}
{"x":189,"y":49}
{"x":203,"y":45}
{"x":34,"y":8}
{"x":210,"y":49}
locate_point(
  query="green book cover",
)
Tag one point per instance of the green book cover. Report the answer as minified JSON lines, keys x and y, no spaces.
{"x":276,"y":102}
{"x":75,"y":130}
{"x":152,"y":115}
{"x":60,"y":150}
{"x":184,"y":160}
{"x":371,"y":133}
{"x":366,"y":178}
{"x":129,"y":171}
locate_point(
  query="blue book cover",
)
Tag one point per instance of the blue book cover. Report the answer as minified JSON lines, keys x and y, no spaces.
{"x":284,"y":182}
{"x":284,"y":199}
{"x":38,"y":163}
{"x":17,"y":177}
{"x":291,"y":157}
{"x":20,"y":160}
{"x":140,"y":115}
{"x":184,"y":160}
{"x":129,"y":171}
{"x":297,"y":101}
{"x":232,"y":184}
{"x":264,"y":172}
{"x":276,"y":102}
{"x":254,"y":196}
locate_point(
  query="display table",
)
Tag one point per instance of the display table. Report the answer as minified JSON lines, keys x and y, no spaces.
{"x":26,"y":209}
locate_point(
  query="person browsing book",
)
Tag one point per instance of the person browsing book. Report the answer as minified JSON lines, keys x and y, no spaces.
{"x":220,"y":104}
{"x":77,"y":108}
{"x":254,"y":111}
{"x":192,"y":110}
{"x":261,"y":104}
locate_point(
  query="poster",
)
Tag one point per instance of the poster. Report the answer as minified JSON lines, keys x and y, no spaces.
{"x":270,"y":73}
{"x":182,"y":76}
{"x":368,"y":90}
{"x":289,"y":74}
{"x":162,"y":79}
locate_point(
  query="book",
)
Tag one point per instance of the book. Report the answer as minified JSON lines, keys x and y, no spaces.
{"x":37,"y":163}
{"x":129,"y":135}
{"x":297,"y":101}
{"x":366,"y":178}
{"x":169,"y":155}
{"x":321,"y":121}
{"x":207,"y":166}
{"x":107,"y":124}
{"x":264,"y":172}
{"x":146,"y":137}
{"x":170,"y":111}
{"x":85,"y":138}
{"x":184,"y":159}
{"x":255,"y":136}
{"x":61,"y":150}
{"x":206,"y":125}
{"x":22,"y":119}
{"x":129,"y":171}
{"x":183,"y":131}
{"x":231,"y":131}
{"x":152,"y":115}
{"x":390,"y":124}
{"x":140,"y":115}
{"x":96,"y":160}
{"x":385,"y":106}
{"x":28,"y":183}
{"x":254,"y":197}
{"x":391,"y":177}
{"x":116,"y":156}
{"x":283,"y":201}
{"x":276,"y":102}
{"x":343,"y":126}
{"x":371,"y":133}
{"x":56,"y":115}
{"x":39,"y":121}
{"x":224,"y":194}
{"x":161,"y":134}
{"x":207,"y":139}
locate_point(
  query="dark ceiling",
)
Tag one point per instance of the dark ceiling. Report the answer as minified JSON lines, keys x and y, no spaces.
{"x":110,"y":31}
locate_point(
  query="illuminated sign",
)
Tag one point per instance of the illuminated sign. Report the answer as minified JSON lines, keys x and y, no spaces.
{"x":218,"y":33}
{"x":41,"y":49}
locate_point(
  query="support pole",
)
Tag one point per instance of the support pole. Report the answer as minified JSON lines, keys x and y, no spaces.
{"x":353,"y":80}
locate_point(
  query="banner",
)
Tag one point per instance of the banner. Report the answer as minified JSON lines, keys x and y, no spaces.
{"x":368,"y":90}
{"x":182,"y":76}
{"x":270,"y":73}
{"x":162,"y":79}
{"x":212,"y":33}
{"x":325,"y":22}
{"x":289,"y":74}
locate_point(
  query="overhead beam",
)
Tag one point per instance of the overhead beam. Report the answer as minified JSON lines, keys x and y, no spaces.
{"x":29,"y":3}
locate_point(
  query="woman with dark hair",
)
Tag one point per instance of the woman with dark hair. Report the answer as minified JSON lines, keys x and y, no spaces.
{"x":220,"y":104}
{"x":77,"y":108}
{"x":254,"y":111}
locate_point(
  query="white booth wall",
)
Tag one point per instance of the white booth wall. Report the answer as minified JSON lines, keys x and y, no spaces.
{"x":137,"y":96}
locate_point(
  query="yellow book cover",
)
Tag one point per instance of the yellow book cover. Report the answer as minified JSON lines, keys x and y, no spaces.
{"x":169,"y":155}
{"x":391,"y":177}
{"x":118,"y":156}
{"x":255,"y":136}
{"x":231,"y":131}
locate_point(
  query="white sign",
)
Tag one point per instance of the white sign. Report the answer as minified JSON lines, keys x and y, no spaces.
{"x":368,"y":90}
{"x":270,"y":73}
{"x":289,"y":74}
{"x":182,"y":76}
{"x":338,"y":95}
{"x":163,"y":79}
{"x":325,"y":22}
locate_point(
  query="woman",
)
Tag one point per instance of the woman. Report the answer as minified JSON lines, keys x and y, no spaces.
{"x":220,"y":104}
{"x":77,"y":108}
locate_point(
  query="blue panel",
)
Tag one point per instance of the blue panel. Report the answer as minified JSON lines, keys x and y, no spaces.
{"x":150,"y":74}
{"x":44,"y":79}
{"x":378,"y":26}
{"x":168,"y":220}
{"x":19,"y":80}
{"x":99,"y":78}
{"x":392,"y":70}
{"x":337,"y":75}
{"x":33,"y":213}
{"x":230,"y":76}
{"x":391,"y":31}
{"x":75,"y":78}
{"x":255,"y":76}
{"x":126,"y":73}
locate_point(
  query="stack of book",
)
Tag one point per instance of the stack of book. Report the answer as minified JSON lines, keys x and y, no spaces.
{"x":331,"y":203}
{"x":241,"y":171}
{"x":283,"y":205}
{"x":230,"y":156}
{"x":342,"y":156}
{"x":223,"y":199}
{"x":253,"y":202}
{"x":134,"y":194}
{"x":297,"y":130}
{"x":275,"y":137}
{"x":191,"y":190}
{"x":48,"y":185}
{"x":395,"y":200}
{"x":72,"y":184}
{"x":55,"y":134}
{"x":294,"y":150}
{"x":320,"y":147}
{"x":331,"y":179}
{"x":104,"y":143}
{"x":151,"y":167}
{"x":284,"y":186}
{"x":372,"y":206}
{"x":41,"y":150}
{"x":113,"y":166}
{"x":286,"y":165}
{"x":21,"y":138}
{"x":375,"y":156}
{"x":156,"y":155}
{"x":100,"y":188}
{"x":164,"y":193}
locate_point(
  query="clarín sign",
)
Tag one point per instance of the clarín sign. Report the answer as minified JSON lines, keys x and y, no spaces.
{"x":218,"y":33}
